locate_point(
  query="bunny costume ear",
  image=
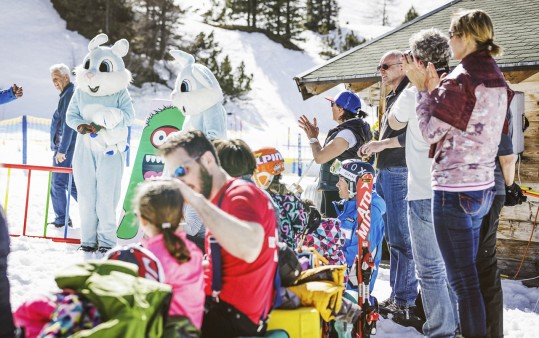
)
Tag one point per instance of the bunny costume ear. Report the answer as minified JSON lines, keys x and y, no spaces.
{"x":204,"y":76}
{"x":185,"y":59}
{"x":121,"y":47}
{"x":97,"y":41}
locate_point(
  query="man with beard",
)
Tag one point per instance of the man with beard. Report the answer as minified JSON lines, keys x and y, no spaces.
{"x":240,"y":237}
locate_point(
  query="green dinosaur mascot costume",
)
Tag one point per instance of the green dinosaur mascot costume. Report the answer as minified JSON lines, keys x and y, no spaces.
{"x":158,"y":125}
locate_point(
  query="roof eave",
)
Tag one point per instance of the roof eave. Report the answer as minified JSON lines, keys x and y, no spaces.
{"x":330,"y":82}
{"x":519,"y":66}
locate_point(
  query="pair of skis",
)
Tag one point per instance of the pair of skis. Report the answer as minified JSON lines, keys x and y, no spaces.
{"x":366,"y":324}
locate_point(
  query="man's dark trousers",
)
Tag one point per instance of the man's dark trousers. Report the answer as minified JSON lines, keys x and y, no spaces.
{"x":487,"y":269}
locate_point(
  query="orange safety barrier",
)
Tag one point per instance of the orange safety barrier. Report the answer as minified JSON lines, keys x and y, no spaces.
{"x":30,"y":168}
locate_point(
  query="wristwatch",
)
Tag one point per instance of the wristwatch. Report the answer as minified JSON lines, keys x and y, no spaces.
{"x":313,"y":140}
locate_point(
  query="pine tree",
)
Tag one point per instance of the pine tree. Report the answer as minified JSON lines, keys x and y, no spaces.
{"x":410,"y":15}
{"x":252,"y":10}
{"x":331,"y":12}
{"x":321,"y":15}
{"x":272,"y":13}
{"x":351,"y":40}
{"x":247,"y":9}
{"x":339,"y":44}
{"x":90,"y":18}
{"x":156,"y":23}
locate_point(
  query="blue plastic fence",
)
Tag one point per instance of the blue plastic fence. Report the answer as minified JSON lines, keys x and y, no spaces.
{"x":24,"y":129}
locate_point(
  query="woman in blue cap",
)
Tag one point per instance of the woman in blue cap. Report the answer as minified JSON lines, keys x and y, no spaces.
{"x":342,"y":143}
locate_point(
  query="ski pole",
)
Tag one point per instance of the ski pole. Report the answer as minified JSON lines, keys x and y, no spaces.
{"x":306,"y":170}
{"x":296,"y":185}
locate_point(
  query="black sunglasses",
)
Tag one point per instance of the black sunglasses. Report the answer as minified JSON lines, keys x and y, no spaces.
{"x":386,"y":66}
{"x":181,"y":170}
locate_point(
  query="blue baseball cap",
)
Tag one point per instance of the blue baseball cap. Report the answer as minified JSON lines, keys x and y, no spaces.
{"x":348,"y":100}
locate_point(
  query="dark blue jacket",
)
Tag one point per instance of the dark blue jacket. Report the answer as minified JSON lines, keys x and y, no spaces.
{"x":7,"y":96}
{"x":62,"y":136}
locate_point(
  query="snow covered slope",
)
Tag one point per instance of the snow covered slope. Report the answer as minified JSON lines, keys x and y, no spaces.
{"x":34,"y":37}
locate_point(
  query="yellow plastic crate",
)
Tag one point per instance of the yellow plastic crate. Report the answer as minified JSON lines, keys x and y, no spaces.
{"x":303,"y":322}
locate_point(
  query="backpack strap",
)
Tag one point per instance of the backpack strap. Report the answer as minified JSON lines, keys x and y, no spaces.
{"x":217,"y":266}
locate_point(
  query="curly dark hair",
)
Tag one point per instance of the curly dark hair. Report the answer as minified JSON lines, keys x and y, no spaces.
{"x":430,"y":45}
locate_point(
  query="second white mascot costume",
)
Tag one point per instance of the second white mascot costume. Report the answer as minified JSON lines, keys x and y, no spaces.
{"x":198,"y":95}
{"x":100,"y":111}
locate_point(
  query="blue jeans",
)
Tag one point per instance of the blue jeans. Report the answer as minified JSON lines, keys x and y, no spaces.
{"x":392,"y":186}
{"x":457,"y":218}
{"x":439,"y":301}
{"x":59,"y":184}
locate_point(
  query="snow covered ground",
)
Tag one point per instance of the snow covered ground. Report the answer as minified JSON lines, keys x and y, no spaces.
{"x":34,"y":37}
{"x":33,"y":262}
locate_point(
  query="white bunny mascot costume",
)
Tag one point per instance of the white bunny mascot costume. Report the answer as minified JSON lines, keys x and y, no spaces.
{"x":199,"y":97}
{"x":100,"y":111}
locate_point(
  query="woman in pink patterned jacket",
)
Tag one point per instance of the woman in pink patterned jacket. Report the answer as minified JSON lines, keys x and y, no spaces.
{"x":462,"y":117}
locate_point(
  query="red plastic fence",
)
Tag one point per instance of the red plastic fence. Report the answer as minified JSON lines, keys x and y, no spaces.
{"x":30,"y":168}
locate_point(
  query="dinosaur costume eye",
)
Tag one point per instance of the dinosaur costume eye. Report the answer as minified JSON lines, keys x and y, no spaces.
{"x":87,"y":64}
{"x":105,"y":66}
{"x":185,"y":86}
{"x":158,"y":136}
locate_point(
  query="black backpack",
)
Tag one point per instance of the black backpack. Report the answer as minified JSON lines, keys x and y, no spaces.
{"x":289,"y":266}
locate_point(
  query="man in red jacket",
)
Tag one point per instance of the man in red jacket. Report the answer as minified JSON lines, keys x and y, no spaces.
{"x":241,"y":239}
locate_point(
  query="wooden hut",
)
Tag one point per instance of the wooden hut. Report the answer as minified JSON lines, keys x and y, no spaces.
{"x":517,"y":31}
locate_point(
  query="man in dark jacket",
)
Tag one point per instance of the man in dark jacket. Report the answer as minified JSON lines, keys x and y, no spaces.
{"x":63,"y":140}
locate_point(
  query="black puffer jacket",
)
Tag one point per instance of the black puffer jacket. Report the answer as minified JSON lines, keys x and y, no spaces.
{"x":362,"y":132}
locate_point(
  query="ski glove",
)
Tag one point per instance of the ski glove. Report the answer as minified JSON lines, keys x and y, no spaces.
{"x":514,"y":195}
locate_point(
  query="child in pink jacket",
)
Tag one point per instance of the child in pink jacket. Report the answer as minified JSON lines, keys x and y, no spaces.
{"x":159,"y":208}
